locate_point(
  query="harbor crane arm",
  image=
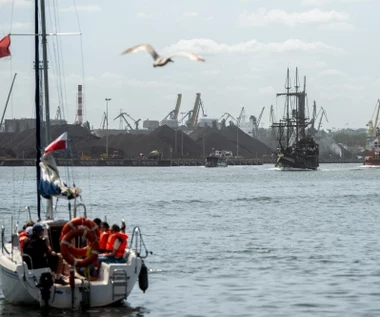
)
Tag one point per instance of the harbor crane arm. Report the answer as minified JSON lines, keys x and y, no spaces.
{"x":126,"y":121}
{"x":226,"y":116}
{"x":103,"y":121}
{"x":241,"y":117}
{"x":323,"y":114}
{"x":136,"y":122}
{"x":177,"y":106}
{"x":260,"y":116}
{"x":194,"y":118}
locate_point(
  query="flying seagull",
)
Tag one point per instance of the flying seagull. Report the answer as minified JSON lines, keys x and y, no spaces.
{"x":161,"y":60}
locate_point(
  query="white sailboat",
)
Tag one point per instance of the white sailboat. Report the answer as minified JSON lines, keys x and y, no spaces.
{"x":22,"y":284}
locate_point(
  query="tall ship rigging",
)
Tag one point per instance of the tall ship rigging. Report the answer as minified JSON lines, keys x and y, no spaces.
{"x":297,"y":149}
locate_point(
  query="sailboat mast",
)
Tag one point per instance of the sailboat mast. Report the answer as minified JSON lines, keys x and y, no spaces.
{"x":297,"y":106}
{"x":45,"y":69}
{"x":287,"y":86}
{"x":37,"y":105}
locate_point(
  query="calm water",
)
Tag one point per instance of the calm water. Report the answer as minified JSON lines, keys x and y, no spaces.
{"x":236,"y":241}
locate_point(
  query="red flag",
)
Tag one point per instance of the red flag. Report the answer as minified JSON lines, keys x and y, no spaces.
{"x":59,"y":143}
{"x":5,"y":42}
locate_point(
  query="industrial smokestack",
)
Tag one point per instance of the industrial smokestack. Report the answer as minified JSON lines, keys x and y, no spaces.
{"x":79,"y":106}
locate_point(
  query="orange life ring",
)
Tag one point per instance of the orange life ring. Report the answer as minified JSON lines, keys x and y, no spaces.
{"x":79,"y":222}
{"x":89,"y":229}
{"x":67,"y":248}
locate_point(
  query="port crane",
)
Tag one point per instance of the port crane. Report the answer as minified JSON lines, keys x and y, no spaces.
{"x":173,"y":115}
{"x":373,"y":123}
{"x":103,"y":121}
{"x":256,"y":122}
{"x":193,"y":114}
{"x":58,"y":114}
{"x":136,"y":122}
{"x":323,"y":114}
{"x":225,"y":117}
{"x":241,"y":118}
{"x":122,"y":115}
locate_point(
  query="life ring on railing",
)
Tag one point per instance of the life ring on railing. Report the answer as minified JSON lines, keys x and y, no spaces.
{"x":69,"y":252}
{"x":79,"y":222}
{"x":75,"y":228}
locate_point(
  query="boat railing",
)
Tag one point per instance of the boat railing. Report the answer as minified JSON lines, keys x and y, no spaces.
{"x":137,"y":243}
{"x":3,"y":248}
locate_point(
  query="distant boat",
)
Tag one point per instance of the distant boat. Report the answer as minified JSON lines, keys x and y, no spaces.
{"x":297,"y":149}
{"x":218,"y":159}
{"x":373,"y":157}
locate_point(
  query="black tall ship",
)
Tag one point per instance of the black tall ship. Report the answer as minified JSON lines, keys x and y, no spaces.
{"x":297,"y":149}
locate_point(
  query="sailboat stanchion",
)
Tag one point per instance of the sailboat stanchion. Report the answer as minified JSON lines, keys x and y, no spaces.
{"x":69,"y":207}
{"x":3,"y":248}
{"x":29,"y":213}
{"x":75,"y":207}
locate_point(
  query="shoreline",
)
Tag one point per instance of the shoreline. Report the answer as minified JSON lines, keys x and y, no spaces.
{"x":153,"y":162}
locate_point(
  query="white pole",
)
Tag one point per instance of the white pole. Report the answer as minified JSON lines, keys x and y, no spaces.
{"x":107,"y":100}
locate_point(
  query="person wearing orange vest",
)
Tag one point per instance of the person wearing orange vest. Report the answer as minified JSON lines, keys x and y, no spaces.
{"x":104,"y":234}
{"x":115,"y":247}
{"x":23,"y":236}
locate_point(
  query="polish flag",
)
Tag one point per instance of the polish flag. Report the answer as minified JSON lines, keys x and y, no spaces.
{"x":5,"y":42}
{"x":59,"y":143}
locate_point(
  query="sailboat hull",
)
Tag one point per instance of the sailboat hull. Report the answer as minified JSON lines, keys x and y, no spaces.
{"x":12,"y":286}
{"x":114,"y":284}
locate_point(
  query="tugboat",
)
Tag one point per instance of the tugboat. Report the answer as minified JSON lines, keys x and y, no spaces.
{"x":218,"y":159}
{"x":297,"y":149}
{"x":373,"y":157}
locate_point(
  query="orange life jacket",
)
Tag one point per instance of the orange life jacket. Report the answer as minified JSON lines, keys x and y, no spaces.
{"x":103,"y":239}
{"x":123,"y":245}
{"x":23,"y":236}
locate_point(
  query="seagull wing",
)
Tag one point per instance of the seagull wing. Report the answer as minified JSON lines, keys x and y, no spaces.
{"x":192,"y":56}
{"x":140,"y":47}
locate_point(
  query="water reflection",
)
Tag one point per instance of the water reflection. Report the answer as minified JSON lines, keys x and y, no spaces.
{"x":120,"y":310}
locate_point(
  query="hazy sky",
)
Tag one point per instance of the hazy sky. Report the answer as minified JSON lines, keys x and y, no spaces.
{"x":247,"y":44}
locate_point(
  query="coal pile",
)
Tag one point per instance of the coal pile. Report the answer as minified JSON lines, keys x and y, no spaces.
{"x":172,"y":143}
{"x":179,"y":141}
{"x":131,"y":145}
{"x":19,"y":145}
{"x":227,"y":139}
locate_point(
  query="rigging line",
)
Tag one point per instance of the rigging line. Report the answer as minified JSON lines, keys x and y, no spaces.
{"x":55,"y":61}
{"x":10,"y":75}
{"x":58,"y":62}
{"x":57,"y":67}
{"x":56,"y":47}
{"x":82,"y":55}
{"x":61,"y":63}
{"x":83,"y":81}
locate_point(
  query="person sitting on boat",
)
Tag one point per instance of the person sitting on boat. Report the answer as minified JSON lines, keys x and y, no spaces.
{"x":41,"y":254}
{"x":115,"y":248}
{"x":23,"y":236}
{"x":104,"y":234}
{"x":97,"y":221}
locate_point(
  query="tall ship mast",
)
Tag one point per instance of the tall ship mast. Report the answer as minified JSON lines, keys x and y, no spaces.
{"x":297,"y":149}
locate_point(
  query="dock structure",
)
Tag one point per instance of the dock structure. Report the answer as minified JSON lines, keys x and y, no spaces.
{"x":128,"y":162}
